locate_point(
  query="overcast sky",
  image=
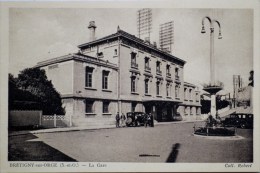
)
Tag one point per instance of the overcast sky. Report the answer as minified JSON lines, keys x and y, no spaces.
{"x":40,"y":34}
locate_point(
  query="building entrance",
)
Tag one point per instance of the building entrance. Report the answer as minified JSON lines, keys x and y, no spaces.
{"x":161,"y":110}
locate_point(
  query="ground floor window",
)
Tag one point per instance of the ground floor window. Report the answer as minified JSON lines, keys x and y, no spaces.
{"x":89,"y":106}
{"x":133,"y":84}
{"x":106,"y":106}
{"x":186,"y":110}
{"x":133,"y":106}
{"x":197,"y":111}
{"x":158,"y":88}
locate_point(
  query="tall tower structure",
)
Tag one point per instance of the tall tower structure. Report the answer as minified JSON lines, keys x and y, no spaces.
{"x":166,"y":36}
{"x":144,"y":23}
{"x":92,"y":28}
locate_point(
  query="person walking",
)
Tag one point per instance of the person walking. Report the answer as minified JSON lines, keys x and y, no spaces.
{"x":123,"y":118}
{"x":152,"y":122}
{"x":117,"y":120}
{"x":147,"y":120}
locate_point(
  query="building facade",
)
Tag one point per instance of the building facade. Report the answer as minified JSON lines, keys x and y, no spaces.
{"x":121,"y":73}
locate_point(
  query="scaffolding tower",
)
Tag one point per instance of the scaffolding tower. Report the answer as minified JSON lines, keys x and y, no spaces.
{"x":166,"y":36}
{"x":144,"y":23}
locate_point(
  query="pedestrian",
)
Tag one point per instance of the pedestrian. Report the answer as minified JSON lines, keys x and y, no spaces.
{"x":147,"y":120}
{"x":117,"y":119}
{"x":152,"y":123}
{"x":123,"y":118}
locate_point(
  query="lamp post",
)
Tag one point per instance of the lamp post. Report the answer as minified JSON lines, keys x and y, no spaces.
{"x":213,"y":87}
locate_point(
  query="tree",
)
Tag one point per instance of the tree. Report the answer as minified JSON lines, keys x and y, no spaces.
{"x":21,"y":99}
{"x":38,"y":89}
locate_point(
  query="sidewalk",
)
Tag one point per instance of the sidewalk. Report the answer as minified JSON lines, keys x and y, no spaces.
{"x":67,"y":129}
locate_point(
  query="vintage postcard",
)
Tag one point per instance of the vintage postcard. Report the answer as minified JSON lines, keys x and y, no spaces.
{"x":127,"y":86}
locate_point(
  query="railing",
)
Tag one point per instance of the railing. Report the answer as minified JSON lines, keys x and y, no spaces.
{"x":50,"y":121}
{"x":134,"y":65}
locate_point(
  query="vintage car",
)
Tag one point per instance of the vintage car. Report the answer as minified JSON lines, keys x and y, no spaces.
{"x":239,"y":120}
{"x":135,"y":118}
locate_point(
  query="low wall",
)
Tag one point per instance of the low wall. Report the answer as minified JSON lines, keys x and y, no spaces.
{"x":20,"y":118}
{"x":25,"y":118}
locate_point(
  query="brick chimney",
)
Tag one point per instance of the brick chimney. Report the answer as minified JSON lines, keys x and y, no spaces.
{"x":92,"y":28}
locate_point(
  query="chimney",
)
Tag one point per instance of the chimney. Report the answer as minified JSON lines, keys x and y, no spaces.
{"x":92,"y":28}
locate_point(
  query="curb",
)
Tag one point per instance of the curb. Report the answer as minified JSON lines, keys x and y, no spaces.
{"x":54,"y":130}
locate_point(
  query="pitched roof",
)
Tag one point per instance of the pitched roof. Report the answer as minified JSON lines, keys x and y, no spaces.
{"x":121,"y":33}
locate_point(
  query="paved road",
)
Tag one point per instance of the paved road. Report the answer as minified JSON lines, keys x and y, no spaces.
{"x":163,"y":143}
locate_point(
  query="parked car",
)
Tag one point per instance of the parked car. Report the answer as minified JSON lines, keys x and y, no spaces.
{"x":239,"y":120}
{"x":135,"y":118}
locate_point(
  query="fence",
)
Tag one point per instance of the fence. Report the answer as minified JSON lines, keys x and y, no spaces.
{"x":49,"y":121}
{"x":26,"y":118}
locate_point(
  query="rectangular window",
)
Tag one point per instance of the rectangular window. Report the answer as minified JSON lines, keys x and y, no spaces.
{"x":158,"y":88}
{"x":177,"y":77}
{"x":197,"y":111}
{"x":89,"y":106}
{"x":177,"y":91}
{"x":168,"y":70}
{"x":88,"y":80}
{"x":197,"y":97}
{"x":185,"y":94}
{"x":146,"y":86}
{"x":133,"y":84}
{"x":133,"y":60}
{"x":146,"y":62}
{"x":176,"y":71}
{"x":191,"y":94}
{"x":105,"y":106}
{"x":105,"y":79}
{"x":186,"y":110}
{"x":133,"y":106}
{"x":168,"y":88}
{"x":158,"y":68}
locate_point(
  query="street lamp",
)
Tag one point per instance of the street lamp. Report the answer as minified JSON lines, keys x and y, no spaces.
{"x":213,"y":88}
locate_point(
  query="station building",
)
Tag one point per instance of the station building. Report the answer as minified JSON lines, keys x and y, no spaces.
{"x":121,"y":73}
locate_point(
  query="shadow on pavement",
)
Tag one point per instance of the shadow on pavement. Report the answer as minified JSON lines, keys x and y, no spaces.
{"x":173,"y":155}
{"x":20,"y":149}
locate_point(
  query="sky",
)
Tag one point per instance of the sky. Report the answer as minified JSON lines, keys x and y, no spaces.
{"x":39,"y":34}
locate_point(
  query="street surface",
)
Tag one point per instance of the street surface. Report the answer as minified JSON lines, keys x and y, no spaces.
{"x":163,"y":143}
